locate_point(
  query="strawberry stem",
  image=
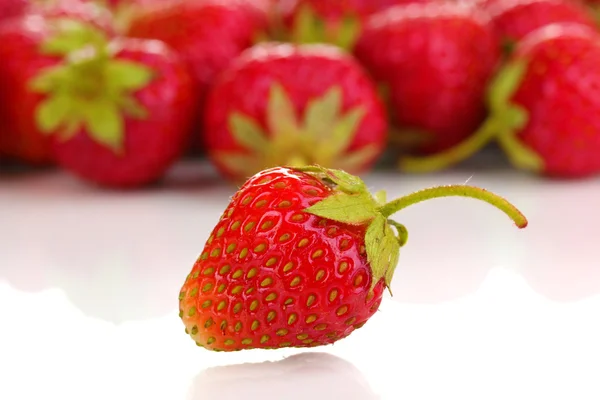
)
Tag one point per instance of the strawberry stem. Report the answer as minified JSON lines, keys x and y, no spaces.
{"x":456,"y":190}
{"x":486,"y":133}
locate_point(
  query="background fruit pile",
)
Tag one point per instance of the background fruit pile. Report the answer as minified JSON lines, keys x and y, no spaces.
{"x":117,"y":91}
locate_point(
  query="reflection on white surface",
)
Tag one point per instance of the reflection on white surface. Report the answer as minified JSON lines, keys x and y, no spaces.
{"x":298,"y":377}
{"x":89,"y":283}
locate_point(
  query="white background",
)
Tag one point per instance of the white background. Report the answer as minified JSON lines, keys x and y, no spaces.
{"x":89,"y":281}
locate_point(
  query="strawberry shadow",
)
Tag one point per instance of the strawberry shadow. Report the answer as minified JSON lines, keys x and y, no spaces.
{"x":316,"y":376}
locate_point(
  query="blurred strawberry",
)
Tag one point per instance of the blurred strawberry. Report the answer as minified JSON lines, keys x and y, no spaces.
{"x":514,"y":19}
{"x":435,"y":61}
{"x":285,"y":104}
{"x":209,"y":34}
{"x":22,"y":53}
{"x":545,"y":107}
{"x":12,"y":8}
{"x":118,"y":112}
{"x":337,"y":22}
{"x":86,"y":11}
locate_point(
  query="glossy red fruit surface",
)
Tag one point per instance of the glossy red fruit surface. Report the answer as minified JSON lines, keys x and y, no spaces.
{"x":272,"y":275}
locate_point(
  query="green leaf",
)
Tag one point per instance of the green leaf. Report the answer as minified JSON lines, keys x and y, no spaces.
{"x":71,"y":35}
{"x":383,"y":250}
{"x":344,"y":181}
{"x":104,"y":123}
{"x":281,"y":113}
{"x":241,"y":165}
{"x":132,"y":107}
{"x":505,"y":84}
{"x":128,"y":75}
{"x":322,"y":113}
{"x":356,"y":208}
{"x":381,"y":197}
{"x":49,"y":79}
{"x":345,"y":130}
{"x":357,"y":160}
{"x":247,"y":133}
{"x":349,"y":32}
{"x":307,"y":27}
{"x":52,"y":112}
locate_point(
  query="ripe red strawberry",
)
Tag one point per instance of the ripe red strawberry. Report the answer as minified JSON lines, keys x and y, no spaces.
{"x":285,"y":104}
{"x":545,"y":107}
{"x":335,"y":21}
{"x":118,"y":112}
{"x":436,"y":60}
{"x":22,"y":53}
{"x":299,"y":258}
{"x":209,"y":34}
{"x":514,"y":19}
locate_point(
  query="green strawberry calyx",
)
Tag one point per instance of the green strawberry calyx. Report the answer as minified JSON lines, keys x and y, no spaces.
{"x":504,"y":123}
{"x":351,"y":203}
{"x":309,"y":27}
{"x":322,"y":137}
{"x":90,"y":89}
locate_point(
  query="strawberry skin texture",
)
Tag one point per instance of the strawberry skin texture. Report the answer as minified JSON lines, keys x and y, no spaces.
{"x":306,"y":72}
{"x":436,"y":60}
{"x":513,"y":20}
{"x":272,"y":275}
{"x":560,"y":93}
{"x":151,"y":145}
{"x":208,"y":34}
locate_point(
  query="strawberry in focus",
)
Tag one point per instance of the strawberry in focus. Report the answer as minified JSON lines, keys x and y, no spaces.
{"x":286,"y":104}
{"x":515,"y":19}
{"x":435,"y":61}
{"x":545,"y":107}
{"x":300,"y":258}
{"x":117,"y":112}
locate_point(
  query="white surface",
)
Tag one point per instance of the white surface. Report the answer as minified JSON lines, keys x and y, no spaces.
{"x":89,"y":282}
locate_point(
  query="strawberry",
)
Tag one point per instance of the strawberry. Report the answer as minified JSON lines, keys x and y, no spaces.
{"x":12,"y":8}
{"x":23,"y":54}
{"x":545,"y":108}
{"x":118,"y":112}
{"x":514,"y":19}
{"x":280,"y":104}
{"x":300,"y":257}
{"x":435,"y":61}
{"x":337,"y":22}
{"x":208,"y":34}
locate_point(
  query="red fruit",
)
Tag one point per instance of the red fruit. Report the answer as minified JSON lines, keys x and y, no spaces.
{"x":436,"y":61}
{"x":22,"y":54}
{"x":208,"y":34}
{"x":335,"y":21}
{"x":545,"y":107}
{"x":514,"y":19}
{"x":119,"y":112}
{"x":12,"y":8}
{"x":299,"y":258}
{"x":282,"y":104}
